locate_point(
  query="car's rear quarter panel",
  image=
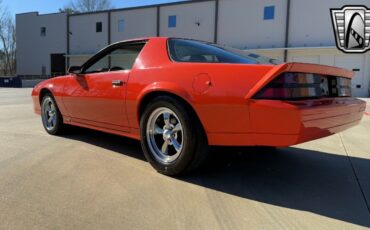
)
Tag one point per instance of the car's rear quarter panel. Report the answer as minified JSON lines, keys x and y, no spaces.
{"x":222,"y":108}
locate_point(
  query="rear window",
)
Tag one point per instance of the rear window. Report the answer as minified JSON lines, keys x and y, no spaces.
{"x":184,"y":50}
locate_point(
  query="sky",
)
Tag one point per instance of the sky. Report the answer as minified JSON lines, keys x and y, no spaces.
{"x":52,"y":6}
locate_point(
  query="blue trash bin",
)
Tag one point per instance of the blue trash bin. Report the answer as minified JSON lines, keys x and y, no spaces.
{"x":11,"y":82}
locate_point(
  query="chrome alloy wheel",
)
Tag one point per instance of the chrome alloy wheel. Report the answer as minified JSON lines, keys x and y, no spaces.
{"x":165,"y":135}
{"x":49,"y":114}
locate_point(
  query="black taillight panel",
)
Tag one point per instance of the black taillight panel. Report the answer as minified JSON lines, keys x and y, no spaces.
{"x":293,"y":86}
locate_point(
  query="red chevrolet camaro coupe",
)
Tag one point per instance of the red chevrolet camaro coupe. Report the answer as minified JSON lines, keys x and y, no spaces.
{"x":179,"y":96}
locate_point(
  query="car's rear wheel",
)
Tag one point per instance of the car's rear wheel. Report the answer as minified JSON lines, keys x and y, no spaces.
{"x":52,"y":119}
{"x":171,"y":137}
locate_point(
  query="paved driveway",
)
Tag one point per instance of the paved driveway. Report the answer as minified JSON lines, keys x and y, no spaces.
{"x":91,"y":180}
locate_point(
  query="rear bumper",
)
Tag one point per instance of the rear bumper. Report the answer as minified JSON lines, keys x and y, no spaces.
{"x":285,"y":123}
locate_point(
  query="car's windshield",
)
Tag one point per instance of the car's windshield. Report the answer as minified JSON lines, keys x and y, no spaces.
{"x":186,"y":50}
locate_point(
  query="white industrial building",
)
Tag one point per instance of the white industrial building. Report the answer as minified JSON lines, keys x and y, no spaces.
{"x":291,"y":30}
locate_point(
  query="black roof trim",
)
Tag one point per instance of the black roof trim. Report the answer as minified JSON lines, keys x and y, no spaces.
{"x":38,"y":14}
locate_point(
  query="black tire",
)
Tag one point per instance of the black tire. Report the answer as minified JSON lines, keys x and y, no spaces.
{"x":52,"y":125}
{"x":192,"y":137}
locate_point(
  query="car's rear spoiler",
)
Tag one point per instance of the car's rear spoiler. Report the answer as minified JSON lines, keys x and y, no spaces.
{"x":301,"y":68}
{"x":319,"y":69}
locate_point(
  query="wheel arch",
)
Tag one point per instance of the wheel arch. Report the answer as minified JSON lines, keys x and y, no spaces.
{"x":149,"y":96}
{"x":43,"y":92}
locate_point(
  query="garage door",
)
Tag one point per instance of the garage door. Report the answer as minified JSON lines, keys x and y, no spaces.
{"x":356,"y":64}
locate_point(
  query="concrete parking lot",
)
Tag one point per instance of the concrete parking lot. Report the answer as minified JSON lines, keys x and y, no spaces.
{"x":91,"y":180}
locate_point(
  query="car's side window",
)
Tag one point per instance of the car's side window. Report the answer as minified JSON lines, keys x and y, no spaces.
{"x":101,"y":65}
{"x":120,"y":58}
{"x":185,"y":50}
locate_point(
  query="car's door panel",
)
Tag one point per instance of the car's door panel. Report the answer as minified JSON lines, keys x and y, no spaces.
{"x":96,"y":96}
{"x":95,"y":99}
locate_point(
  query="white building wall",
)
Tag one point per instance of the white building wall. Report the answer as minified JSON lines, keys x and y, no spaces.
{"x":83,"y":36}
{"x":241,"y":24}
{"x":33,"y":50}
{"x":276,"y":54}
{"x":193,"y":20}
{"x":311,"y":24}
{"x":137,"y":23}
{"x":78,"y":60}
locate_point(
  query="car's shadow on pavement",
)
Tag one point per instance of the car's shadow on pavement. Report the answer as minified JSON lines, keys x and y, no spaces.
{"x":317,"y":182}
{"x":115,"y":143}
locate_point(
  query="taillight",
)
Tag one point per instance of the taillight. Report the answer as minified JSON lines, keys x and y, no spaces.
{"x":305,"y":85}
{"x":344,"y":87}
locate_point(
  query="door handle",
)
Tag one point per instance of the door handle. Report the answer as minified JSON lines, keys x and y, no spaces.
{"x":116,"y":83}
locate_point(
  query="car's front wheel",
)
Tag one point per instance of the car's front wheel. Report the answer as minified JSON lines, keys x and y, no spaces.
{"x":172,"y":138}
{"x":52,"y":119}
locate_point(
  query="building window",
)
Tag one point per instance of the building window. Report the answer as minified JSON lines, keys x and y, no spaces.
{"x":99,"y":27}
{"x":121,"y":25}
{"x":43,"y":31}
{"x":269,"y":13}
{"x":172,"y":21}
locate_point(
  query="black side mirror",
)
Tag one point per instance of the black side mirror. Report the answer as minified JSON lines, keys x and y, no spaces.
{"x":74,"y":70}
